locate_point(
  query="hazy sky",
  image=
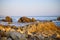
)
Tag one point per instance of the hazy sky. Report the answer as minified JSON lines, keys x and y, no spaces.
{"x":30,"y":7}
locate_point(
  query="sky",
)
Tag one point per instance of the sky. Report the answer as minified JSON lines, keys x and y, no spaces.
{"x":30,"y":7}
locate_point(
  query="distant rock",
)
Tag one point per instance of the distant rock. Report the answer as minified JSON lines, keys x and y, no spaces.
{"x":33,"y":19}
{"x":58,"y":18}
{"x":7,"y":19}
{"x":25,"y":19}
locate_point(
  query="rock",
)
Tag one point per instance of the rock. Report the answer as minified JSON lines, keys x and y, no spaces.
{"x":17,"y":36}
{"x":58,"y":18}
{"x":57,"y":38}
{"x":36,"y":38}
{"x":7,"y":34}
{"x":39,"y":31}
{"x":8,"y":19}
{"x":54,"y":36}
{"x":9,"y":39}
{"x":2,"y":34}
{"x":32,"y":37}
{"x":25,"y":19}
{"x":33,"y":19}
{"x":40,"y":36}
{"x":3,"y":20}
{"x":3,"y":38}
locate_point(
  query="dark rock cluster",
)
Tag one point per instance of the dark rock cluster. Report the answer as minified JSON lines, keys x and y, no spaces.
{"x":25,"y":19}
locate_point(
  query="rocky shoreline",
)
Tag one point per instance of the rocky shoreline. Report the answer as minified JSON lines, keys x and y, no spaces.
{"x":31,"y":30}
{"x":35,"y":31}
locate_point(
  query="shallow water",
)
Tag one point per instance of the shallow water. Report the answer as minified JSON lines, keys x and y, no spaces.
{"x":14,"y":24}
{"x":15,"y":18}
{"x":23,"y":24}
{"x":57,"y":23}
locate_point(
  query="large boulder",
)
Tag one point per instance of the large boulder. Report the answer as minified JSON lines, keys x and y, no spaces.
{"x":58,"y":18}
{"x":25,"y":19}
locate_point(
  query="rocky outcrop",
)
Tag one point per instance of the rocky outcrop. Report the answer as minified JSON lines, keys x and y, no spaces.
{"x":25,"y":19}
{"x":7,"y":19}
{"x":35,"y":31}
{"x":58,"y":18}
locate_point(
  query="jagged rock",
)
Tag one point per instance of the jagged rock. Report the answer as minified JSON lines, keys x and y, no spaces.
{"x":25,"y":19}
{"x":58,"y":18}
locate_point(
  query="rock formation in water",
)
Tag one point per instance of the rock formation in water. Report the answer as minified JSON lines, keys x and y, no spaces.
{"x":7,"y":19}
{"x":58,"y":18}
{"x":25,"y":19}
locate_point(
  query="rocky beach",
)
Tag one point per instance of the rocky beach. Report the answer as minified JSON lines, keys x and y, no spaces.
{"x":33,"y":30}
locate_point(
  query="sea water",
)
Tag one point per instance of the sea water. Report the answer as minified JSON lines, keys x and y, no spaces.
{"x":16,"y":18}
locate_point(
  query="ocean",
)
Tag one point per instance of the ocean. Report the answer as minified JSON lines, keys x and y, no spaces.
{"x":15,"y":19}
